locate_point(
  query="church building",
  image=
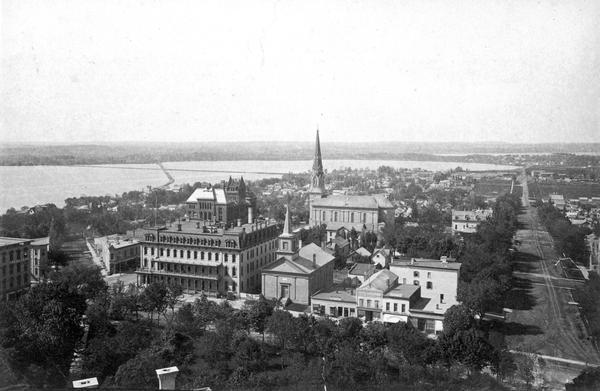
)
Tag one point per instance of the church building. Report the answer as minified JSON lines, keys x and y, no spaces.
{"x":297,"y":273}
{"x":341,"y":213}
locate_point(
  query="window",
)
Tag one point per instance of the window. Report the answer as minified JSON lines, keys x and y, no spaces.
{"x":376,"y":303}
{"x":416,"y":282}
{"x":284,"y":245}
{"x":162,"y":252}
{"x":442,"y":298}
{"x":403,"y":308}
{"x":369,"y":303}
{"x":209,"y":256}
{"x":387,"y":306}
{"x":416,"y":274}
{"x":335,"y":216}
{"x":332,"y":311}
{"x":361,"y":302}
{"x":323,"y":215}
{"x":151,"y":250}
{"x":352,"y":217}
{"x":180,"y":253}
{"x":189,"y":254}
{"x":195,"y":254}
{"x":201,"y":254}
{"x":216,"y":256}
{"x":395,"y":307}
{"x":428,"y":274}
{"x":429,"y":285}
{"x":145,"y":250}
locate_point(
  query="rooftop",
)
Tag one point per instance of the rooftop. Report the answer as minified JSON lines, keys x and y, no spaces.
{"x":5,"y":241}
{"x":336,"y":293}
{"x":382,"y":280}
{"x":427,"y":263}
{"x":209,"y":194}
{"x":403,"y":291}
{"x":354,"y":201}
{"x":362,"y":269}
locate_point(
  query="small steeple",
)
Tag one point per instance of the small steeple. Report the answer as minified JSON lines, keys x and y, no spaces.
{"x":287,"y":225}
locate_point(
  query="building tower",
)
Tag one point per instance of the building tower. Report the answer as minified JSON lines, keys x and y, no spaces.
{"x":317,"y":177}
{"x":288,"y":242}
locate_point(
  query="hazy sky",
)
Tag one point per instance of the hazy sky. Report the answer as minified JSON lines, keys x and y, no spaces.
{"x":272,"y":70}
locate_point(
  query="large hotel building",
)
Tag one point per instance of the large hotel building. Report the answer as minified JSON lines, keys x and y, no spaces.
{"x":213,"y":251}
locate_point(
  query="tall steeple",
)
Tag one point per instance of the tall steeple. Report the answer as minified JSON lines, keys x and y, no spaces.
{"x":317,"y":177}
{"x":287,"y":225}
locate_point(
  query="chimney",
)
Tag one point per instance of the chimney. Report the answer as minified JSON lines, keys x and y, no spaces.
{"x":314,"y":260}
{"x":444,"y":259}
{"x":166,"y":378}
{"x":92,"y":382}
{"x":250,"y":215}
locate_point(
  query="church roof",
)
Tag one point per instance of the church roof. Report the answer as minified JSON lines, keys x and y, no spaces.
{"x":303,"y":264}
{"x":354,"y":201}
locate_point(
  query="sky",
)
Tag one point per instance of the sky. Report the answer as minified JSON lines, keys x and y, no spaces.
{"x":372,"y":70}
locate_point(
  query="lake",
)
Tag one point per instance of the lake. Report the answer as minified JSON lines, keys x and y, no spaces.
{"x":33,"y":185}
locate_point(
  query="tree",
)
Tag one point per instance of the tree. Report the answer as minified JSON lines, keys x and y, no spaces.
{"x":588,"y":380}
{"x":258,"y":312}
{"x":458,"y":318}
{"x":41,"y":330}
{"x":58,"y":258}
{"x":280,"y":324}
{"x":154,"y":298}
{"x":468,"y":347}
{"x":407,"y":344}
{"x":82,"y":278}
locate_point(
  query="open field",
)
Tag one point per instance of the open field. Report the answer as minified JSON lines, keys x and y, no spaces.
{"x":495,"y":188}
{"x":569,"y":190}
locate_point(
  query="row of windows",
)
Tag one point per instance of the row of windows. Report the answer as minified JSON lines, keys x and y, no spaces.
{"x":15,"y":255}
{"x":395,"y":306}
{"x":11,"y":268}
{"x":189,"y":254}
{"x":416,"y":274}
{"x":353,"y":217}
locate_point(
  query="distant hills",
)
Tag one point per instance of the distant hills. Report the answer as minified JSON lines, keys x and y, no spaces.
{"x":149,"y":152}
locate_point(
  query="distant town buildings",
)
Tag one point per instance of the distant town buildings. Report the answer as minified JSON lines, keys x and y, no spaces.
{"x":467,"y":221}
{"x":117,"y":253}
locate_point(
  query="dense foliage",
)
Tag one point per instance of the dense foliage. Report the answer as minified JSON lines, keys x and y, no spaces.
{"x":568,"y":239}
{"x":588,"y":297}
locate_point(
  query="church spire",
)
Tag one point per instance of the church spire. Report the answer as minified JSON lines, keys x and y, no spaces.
{"x":318,"y":162}
{"x":317,"y":177}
